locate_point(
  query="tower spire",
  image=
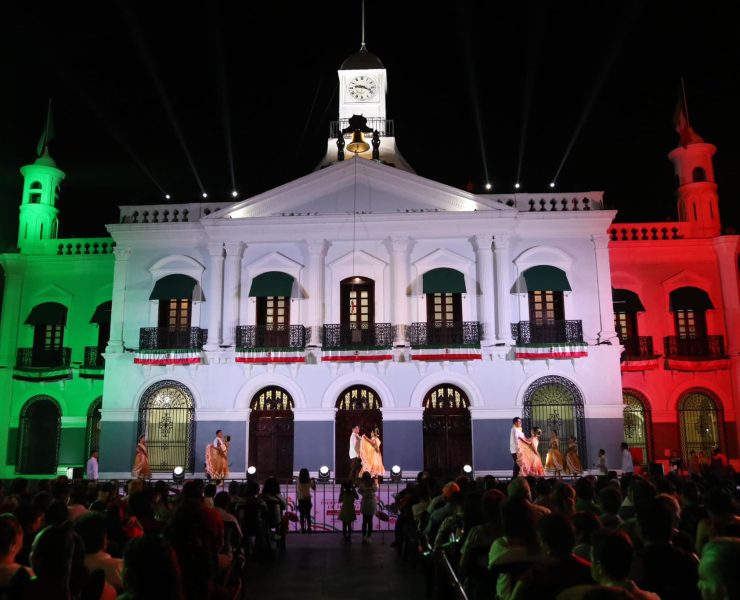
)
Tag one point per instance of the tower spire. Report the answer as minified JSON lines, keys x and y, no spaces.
{"x":362,"y":45}
{"x":46,"y":135}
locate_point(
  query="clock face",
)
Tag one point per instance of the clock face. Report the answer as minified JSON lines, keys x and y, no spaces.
{"x":362,"y":88}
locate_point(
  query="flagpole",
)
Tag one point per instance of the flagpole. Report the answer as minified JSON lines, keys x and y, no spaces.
{"x":685,"y":103}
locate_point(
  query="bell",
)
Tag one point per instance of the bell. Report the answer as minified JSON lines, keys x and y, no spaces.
{"x":358,"y":144}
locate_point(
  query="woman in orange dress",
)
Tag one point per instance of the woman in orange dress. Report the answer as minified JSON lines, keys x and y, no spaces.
{"x":372,"y":459}
{"x":554,"y":459}
{"x":141,"y":469}
{"x":217,"y":457}
{"x":528,"y":456}
{"x":572,"y":461}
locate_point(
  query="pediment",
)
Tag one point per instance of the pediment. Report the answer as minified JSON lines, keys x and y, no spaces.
{"x":361,"y":186}
{"x":274,"y":261}
{"x":53,"y":293}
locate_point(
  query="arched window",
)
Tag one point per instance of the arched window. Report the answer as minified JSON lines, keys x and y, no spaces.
{"x":34,"y":196}
{"x":38,"y":437}
{"x":166,"y":417}
{"x":701,"y":422}
{"x":92,"y":432}
{"x":698,"y":174}
{"x":271,"y":433}
{"x":638,"y":424}
{"x":689,"y":306}
{"x":447,"y":431}
{"x":555,"y":403}
{"x":356,"y":405}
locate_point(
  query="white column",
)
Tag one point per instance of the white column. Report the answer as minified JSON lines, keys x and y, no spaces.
{"x":214,"y":295}
{"x":503,"y":288}
{"x":604,"y":289}
{"x":115,"y":341}
{"x":231,"y":291}
{"x":398,"y":248}
{"x":482,"y":244}
{"x":315,"y":287}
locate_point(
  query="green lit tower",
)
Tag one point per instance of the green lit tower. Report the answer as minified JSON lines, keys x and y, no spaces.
{"x":41,"y":180}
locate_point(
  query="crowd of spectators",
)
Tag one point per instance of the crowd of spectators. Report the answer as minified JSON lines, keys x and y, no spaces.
{"x":672,"y":537}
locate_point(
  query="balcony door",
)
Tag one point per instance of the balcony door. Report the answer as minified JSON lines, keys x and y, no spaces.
{"x":546,"y":316}
{"x":444,"y":318}
{"x":357,"y":302}
{"x":47,"y":345}
{"x":174,"y":323}
{"x":273,"y":321}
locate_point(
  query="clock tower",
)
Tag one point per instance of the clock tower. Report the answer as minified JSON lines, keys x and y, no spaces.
{"x":362,"y":88}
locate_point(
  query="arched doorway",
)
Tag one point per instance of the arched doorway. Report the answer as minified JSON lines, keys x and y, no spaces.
{"x":554,"y":402}
{"x":447,"y":431}
{"x":271,"y":433}
{"x":38,"y":437}
{"x":167,"y":418}
{"x":357,"y":405}
{"x":92,"y":431}
{"x":701,"y":422}
{"x":638,"y":424}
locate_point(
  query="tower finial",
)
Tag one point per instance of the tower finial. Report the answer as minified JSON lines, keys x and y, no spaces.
{"x":47,"y":135}
{"x":362,"y":46}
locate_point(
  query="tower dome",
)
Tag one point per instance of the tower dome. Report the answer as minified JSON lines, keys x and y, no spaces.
{"x":361,"y":60}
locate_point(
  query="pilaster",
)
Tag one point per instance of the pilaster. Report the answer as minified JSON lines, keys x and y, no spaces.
{"x":118,"y":306}
{"x":399,"y":248}
{"x":482,"y":244}
{"x":215,"y":295}
{"x":503,"y":285}
{"x":232,"y":264}
{"x":315,"y":286}
{"x":604,"y":289}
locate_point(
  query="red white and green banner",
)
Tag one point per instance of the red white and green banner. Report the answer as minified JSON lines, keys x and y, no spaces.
{"x":269,"y":355}
{"x":445,"y":353}
{"x":185,"y":356}
{"x":550,"y":351}
{"x":356,"y":355}
{"x":720,"y":364}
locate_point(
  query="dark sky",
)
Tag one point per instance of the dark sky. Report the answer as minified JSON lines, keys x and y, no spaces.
{"x":120,"y":72}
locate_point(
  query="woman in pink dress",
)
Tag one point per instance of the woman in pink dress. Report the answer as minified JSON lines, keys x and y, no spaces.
{"x":372,"y":459}
{"x":528,"y":456}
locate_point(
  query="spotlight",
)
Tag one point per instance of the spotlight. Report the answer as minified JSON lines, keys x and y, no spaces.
{"x":552,"y":184}
{"x":251,"y":470}
{"x":517,"y":186}
{"x":178,"y":474}
{"x":167,"y":196}
{"x":324,"y":473}
{"x":205,"y":195}
{"x":488,"y":186}
{"x":467,"y":469}
{"x":396,"y":473}
{"x":234,"y":193}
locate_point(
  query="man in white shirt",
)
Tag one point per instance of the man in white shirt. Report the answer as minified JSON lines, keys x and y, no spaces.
{"x":355,"y":464}
{"x":627,"y":465}
{"x":515,"y":435}
{"x":92,"y":466}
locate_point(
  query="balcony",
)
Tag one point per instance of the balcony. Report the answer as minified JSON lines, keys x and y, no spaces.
{"x":271,"y":336}
{"x":33,"y":364}
{"x":170,"y":346}
{"x":638,"y":348}
{"x":705,"y":353}
{"x":94,"y":364}
{"x":551,"y":332}
{"x":368,"y":335}
{"x":444,"y":333}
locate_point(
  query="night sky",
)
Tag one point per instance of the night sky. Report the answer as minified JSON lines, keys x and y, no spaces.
{"x":468,"y":83}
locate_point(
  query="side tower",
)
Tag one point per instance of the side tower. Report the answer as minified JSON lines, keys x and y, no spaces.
{"x":38,"y":218}
{"x":697,"y":191}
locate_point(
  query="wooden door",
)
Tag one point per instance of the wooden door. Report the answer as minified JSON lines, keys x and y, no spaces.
{"x":271,"y":443}
{"x":444,"y":318}
{"x":357,"y":301}
{"x":47,"y":345}
{"x":273,"y":321}
{"x":447,"y":441}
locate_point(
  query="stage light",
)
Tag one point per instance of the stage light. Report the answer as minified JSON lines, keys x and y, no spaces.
{"x":70,"y":473}
{"x":205,"y":195}
{"x":517,"y":186}
{"x":234,"y":193}
{"x":467,"y":469}
{"x":178,"y":474}
{"x":396,"y":473}
{"x":488,"y":186}
{"x":552,"y":184}
{"x":167,"y":196}
{"x":324,"y":473}
{"x":251,"y":470}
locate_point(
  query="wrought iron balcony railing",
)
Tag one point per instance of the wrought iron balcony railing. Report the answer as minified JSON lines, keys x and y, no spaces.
{"x":639,"y":347}
{"x":93,"y":358}
{"x":373,"y":335}
{"x":435,"y":333}
{"x":550,"y":332}
{"x":36,"y":358}
{"x":384,"y":126}
{"x":171,"y":338}
{"x":270,"y":336}
{"x":708,"y":346}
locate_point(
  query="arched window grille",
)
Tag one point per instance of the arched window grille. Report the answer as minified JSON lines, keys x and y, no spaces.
{"x":272,"y":398}
{"x":638,"y":424}
{"x":446,"y":396}
{"x":39,"y":433}
{"x":92,"y":431}
{"x":701,"y":422}
{"x":359,"y":397}
{"x":554,"y":402}
{"x":167,"y":418}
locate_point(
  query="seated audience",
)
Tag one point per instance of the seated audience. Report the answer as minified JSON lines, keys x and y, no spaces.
{"x":719,"y":569}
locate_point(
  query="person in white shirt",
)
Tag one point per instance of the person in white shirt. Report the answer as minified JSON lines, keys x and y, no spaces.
{"x":514,"y":436}
{"x":92,"y":466}
{"x":627,"y":466}
{"x":355,"y":464}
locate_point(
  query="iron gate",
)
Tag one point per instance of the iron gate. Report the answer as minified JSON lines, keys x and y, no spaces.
{"x":638,"y":424}
{"x":38,"y":437}
{"x":702,"y":423}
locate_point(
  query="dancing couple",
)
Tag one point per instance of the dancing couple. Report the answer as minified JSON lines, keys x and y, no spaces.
{"x":364,"y":454}
{"x":524,"y":451}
